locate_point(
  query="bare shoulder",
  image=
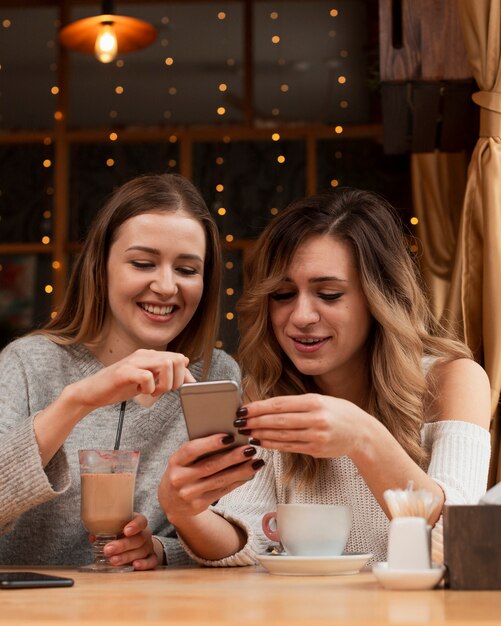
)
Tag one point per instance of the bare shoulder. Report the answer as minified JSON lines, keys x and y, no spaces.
{"x":459,"y":390}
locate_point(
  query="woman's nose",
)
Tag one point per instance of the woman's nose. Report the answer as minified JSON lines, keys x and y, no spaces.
{"x":164,"y":282}
{"x":304,"y":312}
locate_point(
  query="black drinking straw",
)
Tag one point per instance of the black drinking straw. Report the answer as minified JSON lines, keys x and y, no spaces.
{"x":120,"y":424}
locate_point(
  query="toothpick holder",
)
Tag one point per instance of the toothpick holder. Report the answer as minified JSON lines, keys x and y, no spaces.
{"x":409,"y":544}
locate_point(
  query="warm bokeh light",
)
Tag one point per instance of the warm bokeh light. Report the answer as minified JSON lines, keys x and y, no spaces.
{"x":275,"y":136}
{"x":49,"y":288}
{"x":338,"y":130}
{"x":56,"y":265}
{"x":221,"y":110}
{"x":45,"y":240}
{"x":281,"y":158}
{"x":221,"y":211}
{"x":229,"y":238}
{"x":119,"y":89}
{"x":219,"y":188}
{"x":169,"y":61}
{"x":414,"y":221}
{"x":113,"y":136}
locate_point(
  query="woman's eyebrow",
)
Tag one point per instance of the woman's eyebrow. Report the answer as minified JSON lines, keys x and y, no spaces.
{"x":320,"y":279}
{"x":190,"y":257}
{"x":144,"y":249}
{"x":327,"y":279}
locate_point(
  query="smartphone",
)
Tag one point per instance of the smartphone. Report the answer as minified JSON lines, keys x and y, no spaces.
{"x":210,"y":407}
{"x":27,"y":580}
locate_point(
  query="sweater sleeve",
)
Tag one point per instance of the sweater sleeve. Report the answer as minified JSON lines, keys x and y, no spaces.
{"x":24,"y":483}
{"x":245,"y":507}
{"x":459,"y":463}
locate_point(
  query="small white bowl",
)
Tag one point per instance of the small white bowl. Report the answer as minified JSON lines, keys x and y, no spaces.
{"x":407,"y":578}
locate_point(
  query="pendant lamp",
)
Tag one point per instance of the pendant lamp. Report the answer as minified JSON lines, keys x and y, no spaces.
{"x":108,"y":34}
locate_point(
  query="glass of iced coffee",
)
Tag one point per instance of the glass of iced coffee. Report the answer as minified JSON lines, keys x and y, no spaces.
{"x":107,"y":480}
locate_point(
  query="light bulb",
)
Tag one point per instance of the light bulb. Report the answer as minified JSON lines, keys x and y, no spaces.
{"x":106,"y":44}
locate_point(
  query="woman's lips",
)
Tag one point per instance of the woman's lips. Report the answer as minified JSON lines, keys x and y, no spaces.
{"x":309,"y":344}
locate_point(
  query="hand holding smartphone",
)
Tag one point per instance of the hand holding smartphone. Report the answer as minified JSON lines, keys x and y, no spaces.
{"x":210,"y":407}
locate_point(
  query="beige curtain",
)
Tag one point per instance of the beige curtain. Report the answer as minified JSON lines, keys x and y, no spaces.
{"x":476,"y":284}
{"x":438,"y":186}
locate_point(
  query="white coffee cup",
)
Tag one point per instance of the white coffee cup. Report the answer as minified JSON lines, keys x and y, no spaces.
{"x":310,"y":529}
{"x":409,"y":544}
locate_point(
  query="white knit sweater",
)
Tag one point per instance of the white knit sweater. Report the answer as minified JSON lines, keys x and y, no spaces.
{"x":459,"y":463}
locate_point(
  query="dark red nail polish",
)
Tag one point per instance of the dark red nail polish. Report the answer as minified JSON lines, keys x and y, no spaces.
{"x":244,"y":431}
{"x":254,"y":442}
{"x":250,"y":451}
{"x":238,"y":423}
{"x":242,"y":412}
{"x":257,"y":464}
{"x":228,"y":439}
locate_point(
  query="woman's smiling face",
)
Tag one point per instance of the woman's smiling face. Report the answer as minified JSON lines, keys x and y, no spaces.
{"x":319,"y":313}
{"x":155,"y":280}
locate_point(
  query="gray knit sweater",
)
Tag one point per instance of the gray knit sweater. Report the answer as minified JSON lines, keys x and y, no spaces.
{"x":40,"y":508}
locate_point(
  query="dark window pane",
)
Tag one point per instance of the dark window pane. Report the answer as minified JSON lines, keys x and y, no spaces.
{"x":28,"y":48}
{"x":26,"y":192}
{"x":97,"y":169}
{"x":24,"y":301}
{"x":255,"y":184}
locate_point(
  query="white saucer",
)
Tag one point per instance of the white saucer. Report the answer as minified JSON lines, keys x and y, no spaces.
{"x":313,"y":565}
{"x":408,"y":579}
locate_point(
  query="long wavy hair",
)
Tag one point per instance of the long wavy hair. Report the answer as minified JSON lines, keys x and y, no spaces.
{"x":82,"y":314}
{"x":403,"y":329}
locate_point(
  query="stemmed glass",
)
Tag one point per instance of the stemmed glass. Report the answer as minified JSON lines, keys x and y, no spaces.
{"x":107,"y":479}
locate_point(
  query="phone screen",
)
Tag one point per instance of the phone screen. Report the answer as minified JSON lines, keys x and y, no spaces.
{"x":27,"y":580}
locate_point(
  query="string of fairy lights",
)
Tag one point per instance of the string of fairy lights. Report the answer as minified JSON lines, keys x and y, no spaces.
{"x":225,"y":18}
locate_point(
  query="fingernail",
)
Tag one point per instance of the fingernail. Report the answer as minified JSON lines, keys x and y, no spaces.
{"x":254,"y":442}
{"x":241,"y":421}
{"x":128,"y":529}
{"x":242,"y":412}
{"x":244,"y":431}
{"x":115,"y":560}
{"x":108,"y":549}
{"x":228,"y":439}
{"x":250,"y":451}
{"x":258,"y":463}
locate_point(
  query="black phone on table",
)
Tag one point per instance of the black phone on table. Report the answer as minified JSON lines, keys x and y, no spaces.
{"x":30,"y":580}
{"x":210,"y":407}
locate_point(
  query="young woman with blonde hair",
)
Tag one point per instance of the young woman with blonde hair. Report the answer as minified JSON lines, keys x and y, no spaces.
{"x":351,"y":387}
{"x":139,"y":318}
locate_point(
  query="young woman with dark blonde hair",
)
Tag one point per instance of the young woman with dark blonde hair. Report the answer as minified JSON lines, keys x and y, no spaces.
{"x":139,"y":318}
{"x":351,"y":387}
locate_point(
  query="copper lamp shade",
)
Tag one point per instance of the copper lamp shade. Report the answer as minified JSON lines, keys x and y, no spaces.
{"x":131,"y":33}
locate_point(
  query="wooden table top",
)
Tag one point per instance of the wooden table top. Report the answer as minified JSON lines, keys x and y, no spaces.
{"x":239,"y":596}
